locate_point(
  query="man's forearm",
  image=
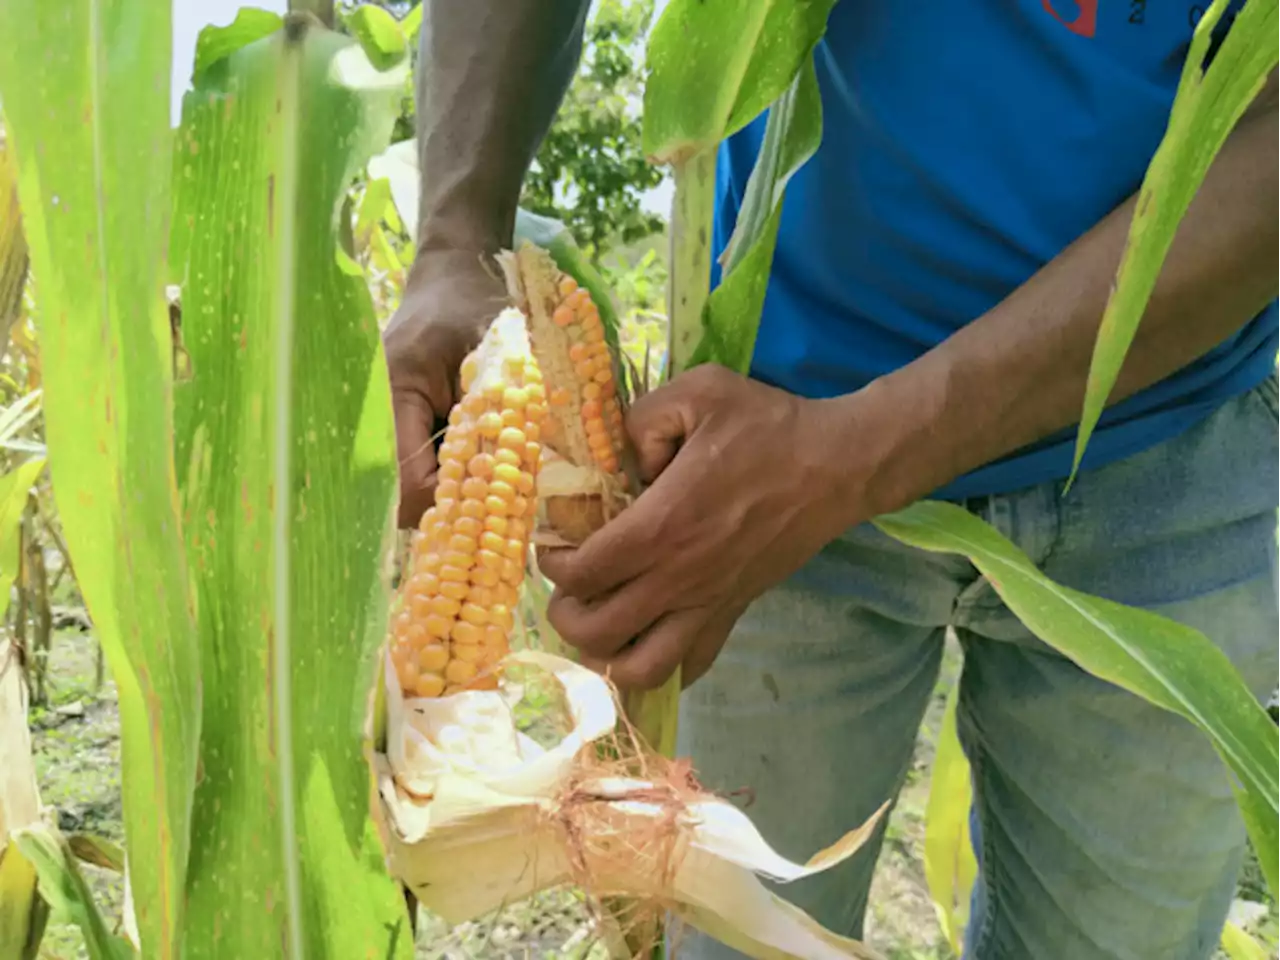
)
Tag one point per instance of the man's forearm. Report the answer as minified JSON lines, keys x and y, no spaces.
{"x":491,"y":75}
{"x":1018,"y":373}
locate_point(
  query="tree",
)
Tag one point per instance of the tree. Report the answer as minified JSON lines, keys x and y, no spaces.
{"x":590,"y":171}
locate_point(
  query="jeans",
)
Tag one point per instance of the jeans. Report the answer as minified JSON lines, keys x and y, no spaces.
{"x":1106,"y":827}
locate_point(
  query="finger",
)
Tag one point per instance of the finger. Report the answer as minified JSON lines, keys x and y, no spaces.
{"x":657,"y":425}
{"x":416,"y":454}
{"x":630,"y":544}
{"x":703,"y":652}
{"x":652,"y":659}
{"x":602,"y":628}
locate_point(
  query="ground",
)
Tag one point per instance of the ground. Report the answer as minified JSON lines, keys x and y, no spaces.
{"x":76,"y":741}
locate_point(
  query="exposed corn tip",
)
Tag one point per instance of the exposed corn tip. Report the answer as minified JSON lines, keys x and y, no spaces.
{"x":584,"y":439}
{"x":456,"y":610}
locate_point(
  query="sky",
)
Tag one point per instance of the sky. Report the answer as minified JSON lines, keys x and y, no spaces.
{"x":191,"y":16}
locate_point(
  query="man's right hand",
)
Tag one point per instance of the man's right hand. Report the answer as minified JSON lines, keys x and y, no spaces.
{"x":449,"y":301}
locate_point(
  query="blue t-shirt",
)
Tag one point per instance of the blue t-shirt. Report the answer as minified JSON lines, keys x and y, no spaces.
{"x":965,"y":144}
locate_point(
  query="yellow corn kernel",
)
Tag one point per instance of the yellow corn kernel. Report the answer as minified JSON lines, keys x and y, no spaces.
{"x":444,"y":633}
{"x":433,"y":657}
{"x":474,"y":614}
{"x":429,"y":685}
{"x":454,"y":590}
{"x":469,"y":653}
{"x":459,"y":671}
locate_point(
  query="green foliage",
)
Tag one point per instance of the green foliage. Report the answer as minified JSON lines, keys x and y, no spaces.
{"x":84,"y":86}
{"x":590,"y":171}
{"x":64,"y":889}
{"x":739,"y":56}
{"x":950,"y":867}
{"x":285,"y":441}
{"x":716,"y":65}
{"x":380,"y":36}
{"x":1207,"y":106}
{"x":1160,"y":660}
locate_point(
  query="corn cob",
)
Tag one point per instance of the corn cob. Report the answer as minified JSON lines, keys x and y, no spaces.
{"x":582,"y":482}
{"x":457,"y":608}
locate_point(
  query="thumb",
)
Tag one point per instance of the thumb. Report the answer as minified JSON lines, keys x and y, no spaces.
{"x":416,"y":453}
{"x":658,"y":424}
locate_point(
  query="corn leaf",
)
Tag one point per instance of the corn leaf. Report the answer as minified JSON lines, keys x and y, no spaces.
{"x":98,"y":851}
{"x":715,"y":65}
{"x":1238,"y":945}
{"x":1165,"y":662}
{"x":732,"y":317}
{"x":374,"y":205}
{"x":379,"y":34}
{"x":950,"y":867}
{"x":64,"y":889}
{"x":13,"y":245}
{"x":286,"y":446}
{"x":85,"y":91}
{"x":412,"y":23}
{"x":23,"y":914}
{"x":1206,"y":108}
{"x":217,"y":43}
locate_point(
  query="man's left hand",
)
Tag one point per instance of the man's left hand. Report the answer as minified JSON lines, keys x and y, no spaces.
{"x":750,"y":483}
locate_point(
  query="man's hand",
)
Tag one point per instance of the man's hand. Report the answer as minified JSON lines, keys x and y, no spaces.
{"x":748,"y":487}
{"x":448,"y":302}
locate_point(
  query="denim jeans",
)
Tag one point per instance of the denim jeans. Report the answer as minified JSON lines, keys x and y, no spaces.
{"x":1106,"y":827}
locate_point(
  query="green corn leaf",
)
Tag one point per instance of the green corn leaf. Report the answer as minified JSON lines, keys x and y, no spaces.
{"x":950,"y":867}
{"x":1165,"y":662}
{"x":373,"y":207}
{"x":1207,"y":106}
{"x":1238,"y":945}
{"x":732,"y":318}
{"x":792,"y":135}
{"x":412,"y":23}
{"x":380,"y":34}
{"x":13,"y":244}
{"x":715,"y":65}
{"x":398,"y":165}
{"x":287,"y":453}
{"x":85,"y":92}
{"x":64,"y":889}
{"x":215,"y":44}
{"x":23,"y":913}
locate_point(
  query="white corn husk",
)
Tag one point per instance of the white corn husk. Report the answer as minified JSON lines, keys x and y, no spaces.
{"x":478,"y":816}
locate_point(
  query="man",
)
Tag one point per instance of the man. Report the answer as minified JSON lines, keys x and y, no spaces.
{"x":940,"y":273}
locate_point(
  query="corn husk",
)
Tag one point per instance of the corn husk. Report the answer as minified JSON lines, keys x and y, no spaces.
{"x":477,"y":815}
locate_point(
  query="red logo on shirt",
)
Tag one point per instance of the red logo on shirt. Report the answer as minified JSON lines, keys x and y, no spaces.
{"x":1086,"y":22}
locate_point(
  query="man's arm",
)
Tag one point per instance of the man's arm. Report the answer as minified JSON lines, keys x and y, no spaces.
{"x":751,"y":482}
{"x":491,"y":75}
{"x":1018,"y":373}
